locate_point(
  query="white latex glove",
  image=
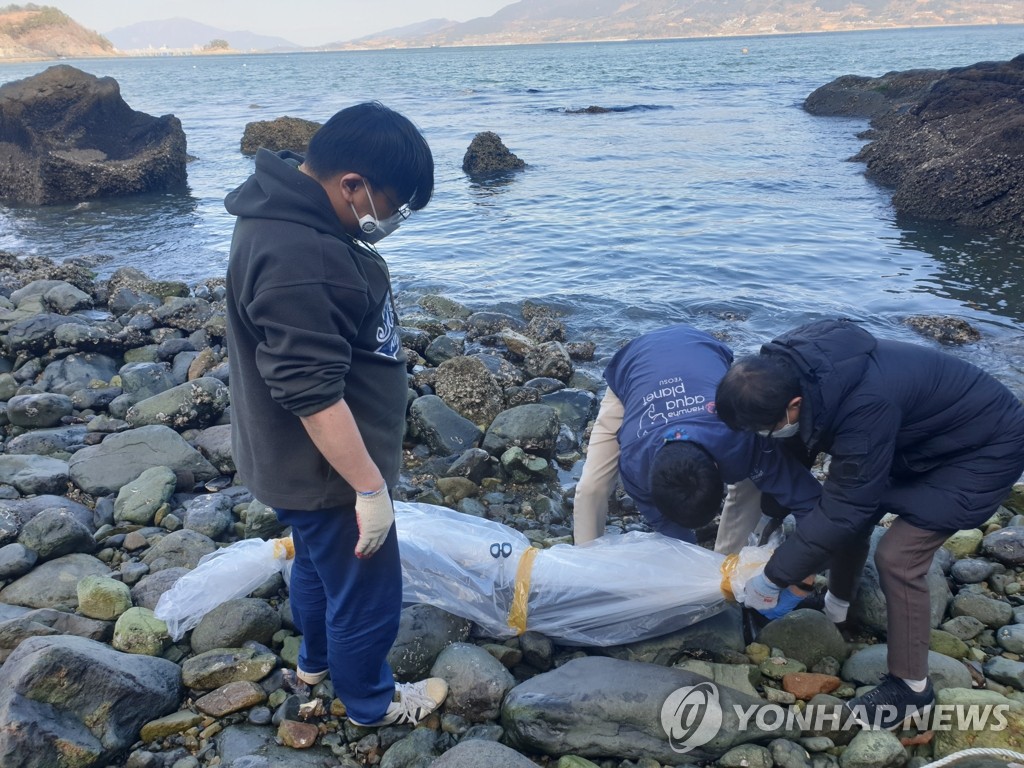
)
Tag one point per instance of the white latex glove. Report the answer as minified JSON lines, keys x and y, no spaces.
{"x":374,"y":515}
{"x":761,"y":594}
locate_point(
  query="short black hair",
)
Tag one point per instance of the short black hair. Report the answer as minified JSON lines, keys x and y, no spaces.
{"x":686,"y":486}
{"x":378,"y":143}
{"x":755,"y":392}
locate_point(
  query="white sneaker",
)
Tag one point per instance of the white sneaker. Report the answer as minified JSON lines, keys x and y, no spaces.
{"x":412,"y":703}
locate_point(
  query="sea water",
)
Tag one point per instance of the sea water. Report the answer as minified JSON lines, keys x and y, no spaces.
{"x":705,"y":195}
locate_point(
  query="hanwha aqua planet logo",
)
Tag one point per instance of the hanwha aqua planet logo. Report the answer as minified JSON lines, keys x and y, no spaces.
{"x":691,"y":716}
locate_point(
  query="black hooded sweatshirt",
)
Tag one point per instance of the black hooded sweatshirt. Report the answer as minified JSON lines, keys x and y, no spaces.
{"x":310,"y":321}
{"x":889,"y":411}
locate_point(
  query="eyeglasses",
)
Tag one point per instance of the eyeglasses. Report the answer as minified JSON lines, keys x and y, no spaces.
{"x":402,"y":211}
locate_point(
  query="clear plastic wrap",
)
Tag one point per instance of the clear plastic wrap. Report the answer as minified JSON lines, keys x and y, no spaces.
{"x":224,"y":575}
{"x":617,"y":589}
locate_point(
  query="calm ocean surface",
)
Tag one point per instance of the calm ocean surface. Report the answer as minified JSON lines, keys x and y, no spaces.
{"x":712,"y":198}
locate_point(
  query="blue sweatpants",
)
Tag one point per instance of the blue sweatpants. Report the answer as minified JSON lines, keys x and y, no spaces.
{"x":346,"y":608}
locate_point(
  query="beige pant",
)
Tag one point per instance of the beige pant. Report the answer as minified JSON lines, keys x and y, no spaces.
{"x":741,"y":513}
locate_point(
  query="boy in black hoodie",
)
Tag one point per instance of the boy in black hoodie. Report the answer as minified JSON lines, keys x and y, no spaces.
{"x":318,"y":389}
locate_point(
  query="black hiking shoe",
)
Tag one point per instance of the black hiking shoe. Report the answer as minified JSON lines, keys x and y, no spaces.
{"x":891,"y":704}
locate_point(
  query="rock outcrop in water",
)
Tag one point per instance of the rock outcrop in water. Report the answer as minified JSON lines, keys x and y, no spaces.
{"x":949,"y":143}
{"x":68,"y":136}
{"x":116,"y":477}
{"x":285,"y":132}
{"x":487,"y":155}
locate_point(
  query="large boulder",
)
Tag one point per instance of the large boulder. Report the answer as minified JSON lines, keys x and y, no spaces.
{"x":72,"y":701}
{"x":69,"y":136}
{"x":949,"y":143}
{"x":285,"y":132}
{"x":487,"y":155}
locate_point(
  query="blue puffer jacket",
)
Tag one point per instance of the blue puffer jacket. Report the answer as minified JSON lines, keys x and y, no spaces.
{"x":887,"y":412}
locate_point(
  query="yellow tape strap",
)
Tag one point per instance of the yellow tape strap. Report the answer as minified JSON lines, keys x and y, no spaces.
{"x":728,"y":569}
{"x":521,"y":594}
{"x":284,"y":548}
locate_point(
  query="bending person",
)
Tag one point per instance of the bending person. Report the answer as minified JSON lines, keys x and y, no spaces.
{"x":657,"y":428}
{"x":911,"y":431}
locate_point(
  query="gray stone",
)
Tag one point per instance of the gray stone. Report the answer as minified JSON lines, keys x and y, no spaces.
{"x":1011,"y":638}
{"x":144,"y":380}
{"x":34,"y":475}
{"x":1005,"y":545}
{"x":442,"y":349}
{"x":214,"y":443}
{"x":538,"y":650}
{"x":805,"y":635}
{"x":56,"y":532}
{"x":193,"y":405}
{"x":989,"y":611}
{"x":1005,"y":671}
{"x":138,"y":501}
{"x":26,"y":509}
{"x":478,"y":753}
{"x":35,"y":334}
{"x":963,"y":627}
{"x":38,"y":411}
{"x":95,"y":712}
{"x":423,"y":632}
{"x":873,"y":749}
{"x":253,"y":746}
{"x":786,"y":754}
{"x":722,"y":631}
{"x":187,"y":313}
{"x":972,"y":570}
{"x":417,"y":750}
{"x":179,"y":549}
{"x":209,"y":514}
{"x":102,"y":469}
{"x":477,"y":682}
{"x":441,"y":428}
{"x":261,"y":522}
{"x":746,"y":756}
{"x":16,"y":560}
{"x":739,"y":677}
{"x":146,"y":594}
{"x":221,"y":666}
{"x":58,"y":443}
{"x":53,"y":584}
{"x":868,"y":607}
{"x":867,"y":666}
{"x":575,"y":407}
{"x":595,"y":706}
{"x":534,"y":428}
{"x":234,"y":623}
{"x":77,"y":372}
{"x":44,"y":622}
{"x":66,"y":298}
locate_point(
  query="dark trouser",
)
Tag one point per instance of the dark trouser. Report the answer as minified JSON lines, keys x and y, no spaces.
{"x":346,"y":608}
{"x":903,"y":557}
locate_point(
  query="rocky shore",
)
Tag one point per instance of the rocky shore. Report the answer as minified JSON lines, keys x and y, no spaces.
{"x":116,"y":477}
{"x":947,"y":142}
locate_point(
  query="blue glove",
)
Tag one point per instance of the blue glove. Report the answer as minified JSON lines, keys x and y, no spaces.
{"x":761,"y":594}
{"x":787,"y":601}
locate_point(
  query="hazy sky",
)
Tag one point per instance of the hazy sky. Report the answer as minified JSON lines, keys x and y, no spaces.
{"x":306,"y":22}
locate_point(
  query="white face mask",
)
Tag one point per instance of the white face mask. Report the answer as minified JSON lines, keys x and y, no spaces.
{"x":373,"y":229}
{"x":791,"y":428}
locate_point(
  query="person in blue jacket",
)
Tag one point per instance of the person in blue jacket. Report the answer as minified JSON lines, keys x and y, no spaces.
{"x":912,"y":431}
{"x":657,"y":429}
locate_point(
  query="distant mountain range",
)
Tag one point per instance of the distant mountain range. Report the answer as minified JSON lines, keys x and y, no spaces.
{"x":187,"y":34}
{"x":540,"y":21}
{"x":42,"y":32}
